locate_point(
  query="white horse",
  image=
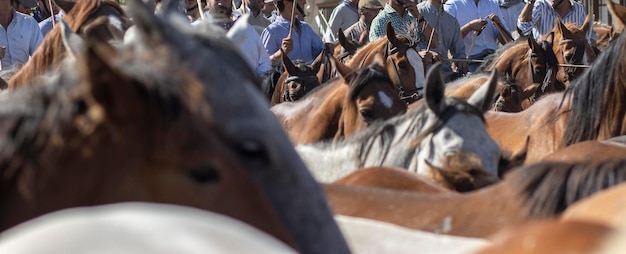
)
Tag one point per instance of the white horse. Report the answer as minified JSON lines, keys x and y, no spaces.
{"x":137,"y":228}
{"x":444,"y":140}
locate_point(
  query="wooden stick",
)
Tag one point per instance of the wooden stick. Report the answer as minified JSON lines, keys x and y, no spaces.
{"x":200,"y":9}
{"x":293,"y":15}
{"x":51,"y":12}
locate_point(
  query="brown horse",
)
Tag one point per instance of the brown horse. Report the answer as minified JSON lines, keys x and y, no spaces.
{"x":299,"y":78}
{"x":606,"y":208}
{"x":341,"y":106}
{"x":607,"y":33}
{"x":149,"y":132}
{"x":549,"y":236}
{"x":571,"y":47}
{"x":591,"y":109}
{"x":404,"y":65}
{"x":530,"y":64}
{"x":102,"y":20}
{"x":536,"y":191}
{"x":507,"y":98}
{"x":391,"y":178}
{"x":345,"y":49}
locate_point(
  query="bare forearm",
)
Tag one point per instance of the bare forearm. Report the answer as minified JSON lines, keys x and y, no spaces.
{"x":466,"y":29}
{"x":527,"y":13}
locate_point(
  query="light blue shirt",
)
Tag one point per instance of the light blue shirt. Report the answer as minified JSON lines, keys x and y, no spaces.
{"x":307,"y":45}
{"x":465,"y":11}
{"x":21,"y":39}
{"x":510,"y":12}
{"x":46,"y":24}
{"x":544,"y":19}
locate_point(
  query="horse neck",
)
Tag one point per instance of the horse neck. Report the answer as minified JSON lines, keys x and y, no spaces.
{"x":364,"y":56}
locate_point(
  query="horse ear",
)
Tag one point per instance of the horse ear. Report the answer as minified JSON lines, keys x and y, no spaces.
{"x":151,"y":31}
{"x":618,"y":12}
{"x":482,"y":98}
{"x":288,"y":64}
{"x":343,"y":70}
{"x":533,"y":43}
{"x":434,"y":89}
{"x":391,"y":34}
{"x":317,"y":62}
{"x":73,"y":43}
{"x":586,"y":25}
{"x":529,"y":90}
{"x":562,"y":29}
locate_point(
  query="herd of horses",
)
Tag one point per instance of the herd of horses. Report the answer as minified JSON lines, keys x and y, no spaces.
{"x":127,"y":105}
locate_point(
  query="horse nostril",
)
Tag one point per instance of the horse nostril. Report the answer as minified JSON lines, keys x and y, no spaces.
{"x":295,"y":86}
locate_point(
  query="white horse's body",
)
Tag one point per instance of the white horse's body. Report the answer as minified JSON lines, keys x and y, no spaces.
{"x":137,"y":228}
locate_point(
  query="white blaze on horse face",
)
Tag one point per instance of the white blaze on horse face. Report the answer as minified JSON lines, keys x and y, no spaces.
{"x":463,"y":134}
{"x":418,"y":66}
{"x":385,"y":99}
{"x":116,"y":22}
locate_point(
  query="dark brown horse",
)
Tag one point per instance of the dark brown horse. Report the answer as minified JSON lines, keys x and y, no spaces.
{"x":102,"y":20}
{"x":536,"y":191}
{"x":593,"y":108}
{"x":297,"y":80}
{"x":160,"y":131}
{"x":404,"y":65}
{"x":526,"y":63}
{"x":342,"y":106}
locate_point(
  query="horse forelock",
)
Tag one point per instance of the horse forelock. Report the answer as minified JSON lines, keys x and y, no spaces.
{"x":597,"y":108}
{"x":547,"y":189}
{"x":364,"y":76}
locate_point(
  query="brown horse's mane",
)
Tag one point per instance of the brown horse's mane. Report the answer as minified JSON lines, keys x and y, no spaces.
{"x":598,"y":109}
{"x":42,"y":122}
{"x":548,"y":188}
{"x":51,"y":51}
{"x":491,"y":59}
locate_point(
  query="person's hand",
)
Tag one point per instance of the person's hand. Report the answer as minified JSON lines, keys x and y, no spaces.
{"x":427,"y":56}
{"x":287,"y":45}
{"x":478,"y":24}
{"x":494,"y":18}
{"x":436,"y":56}
{"x":411,"y":7}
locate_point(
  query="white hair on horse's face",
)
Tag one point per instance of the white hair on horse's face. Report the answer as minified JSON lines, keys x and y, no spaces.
{"x":463,"y":133}
{"x":385,"y":99}
{"x":418,"y":67}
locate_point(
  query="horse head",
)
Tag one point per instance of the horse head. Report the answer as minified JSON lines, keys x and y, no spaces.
{"x":508,"y":99}
{"x":371,"y":96}
{"x":618,"y":12}
{"x":572,"y":48}
{"x":346,"y":48}
{"x":459,"y":157}
{"x":263,"y":149}
{"x":299,"y":79}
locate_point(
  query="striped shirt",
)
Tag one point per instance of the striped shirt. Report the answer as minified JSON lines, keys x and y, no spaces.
{"x":355,"y":31}
{"x":544,"y":19}
{"x":400,"y":24}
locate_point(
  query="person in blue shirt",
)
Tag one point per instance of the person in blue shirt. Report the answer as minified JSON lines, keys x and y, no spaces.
{"x":19,"y":34}
{"x":304,"y":43}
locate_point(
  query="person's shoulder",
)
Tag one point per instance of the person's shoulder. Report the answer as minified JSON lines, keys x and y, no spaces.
{"x":21,"y":17}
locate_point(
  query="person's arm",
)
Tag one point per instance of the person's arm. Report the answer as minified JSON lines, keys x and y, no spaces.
{"x":525,"y":20}
{"x":475,"y":25}
{"x":335,"y":21}
{"x":457,"y":49}
{"x":432,"y":38}
{"x":272,"y":46}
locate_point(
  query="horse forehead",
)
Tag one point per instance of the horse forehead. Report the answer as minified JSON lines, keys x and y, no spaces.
{"x":463,"y":127}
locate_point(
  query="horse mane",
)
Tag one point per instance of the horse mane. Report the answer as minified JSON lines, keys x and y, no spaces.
{"x":38,"y":124}
{"x":51,"y":51}
{"x":548,"y":188}
{"x":371,"y":73}
{"x":597,"y":109}
{"x":490,"y":59}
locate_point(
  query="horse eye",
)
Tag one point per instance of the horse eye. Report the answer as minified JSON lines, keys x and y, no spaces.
{"x":367,"y":114}
{"x":204,"y":174}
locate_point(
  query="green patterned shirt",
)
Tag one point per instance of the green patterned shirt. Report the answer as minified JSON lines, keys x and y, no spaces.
{"x":400,"y":24}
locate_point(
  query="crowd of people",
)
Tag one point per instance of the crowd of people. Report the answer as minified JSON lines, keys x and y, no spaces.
{"x":458,"y":29}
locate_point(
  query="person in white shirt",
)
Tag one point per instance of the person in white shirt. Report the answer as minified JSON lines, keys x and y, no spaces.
{"x":19,"y":34}
{"x":343,"y":16}
{"x":220,"y":12}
